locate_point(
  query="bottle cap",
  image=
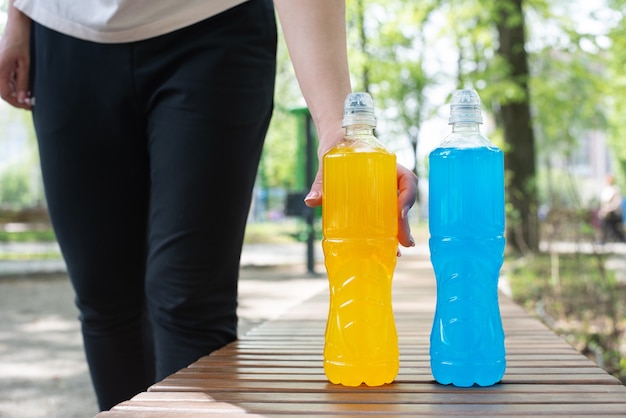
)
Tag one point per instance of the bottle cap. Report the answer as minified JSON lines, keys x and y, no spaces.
{"x":465,"y":107}
{"x":358,"y":109}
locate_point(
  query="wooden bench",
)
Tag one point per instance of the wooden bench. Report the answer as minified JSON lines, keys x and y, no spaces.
{"x":276,"y":370}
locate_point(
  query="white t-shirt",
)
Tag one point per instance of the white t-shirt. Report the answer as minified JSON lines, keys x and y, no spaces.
{"x":117,"y":21}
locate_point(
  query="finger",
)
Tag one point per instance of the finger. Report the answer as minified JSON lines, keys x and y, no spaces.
{"x":314,"y":197}
{"x":407,"y":188}
{"x":404,"y":233}
{"x":22,"y":83}
{"x":9,"y":91}
{"x":407,"y":194}
{"x":7,"y":87}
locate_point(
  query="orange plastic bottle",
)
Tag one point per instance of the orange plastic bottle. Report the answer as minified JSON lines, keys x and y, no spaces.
{"x":360,"y":225}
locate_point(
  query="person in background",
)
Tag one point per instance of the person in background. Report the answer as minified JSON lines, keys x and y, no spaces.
{"x":150,"y":117}
{"x":610,"y":211}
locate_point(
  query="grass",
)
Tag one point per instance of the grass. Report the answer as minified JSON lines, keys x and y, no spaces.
{"x":274,"y":232}
{"x":256,"y":233}
{"x":261,"y":232}
{"x":39,"y":235}
{"x":579,"y":298}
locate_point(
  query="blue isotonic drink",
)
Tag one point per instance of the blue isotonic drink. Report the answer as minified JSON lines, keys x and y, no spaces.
{"x":466,"y":222}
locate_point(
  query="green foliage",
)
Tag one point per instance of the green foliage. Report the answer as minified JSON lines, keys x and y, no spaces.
{"x":395,"y":50}
{"x":277,"y":164}
{"x":387,"y":45}
{"x":15,"y":187}
{"x":617,"y":85}
{"x":568,"y":97}
{"x":554,"y":189}
{"x":20,"y":179}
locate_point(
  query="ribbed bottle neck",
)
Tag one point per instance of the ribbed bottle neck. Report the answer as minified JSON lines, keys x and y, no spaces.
{"x":359,"y":130}
{"x":465,"y":127}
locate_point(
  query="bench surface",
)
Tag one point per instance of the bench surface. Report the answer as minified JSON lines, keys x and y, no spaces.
{"x":276,"y":370}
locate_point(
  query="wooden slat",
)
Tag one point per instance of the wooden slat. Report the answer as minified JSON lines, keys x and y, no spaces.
{"x":362,"y":397}
{"x":277,"y":370}
{"x":445,"y":409}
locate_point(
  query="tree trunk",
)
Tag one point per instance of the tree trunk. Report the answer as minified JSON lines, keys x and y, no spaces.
{"x":522,"y":222}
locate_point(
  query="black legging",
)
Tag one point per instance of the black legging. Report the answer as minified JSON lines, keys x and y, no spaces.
{"x":149,"y":152}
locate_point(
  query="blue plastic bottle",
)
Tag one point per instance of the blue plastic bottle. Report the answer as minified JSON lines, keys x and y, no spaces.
{"x":466,"y":222}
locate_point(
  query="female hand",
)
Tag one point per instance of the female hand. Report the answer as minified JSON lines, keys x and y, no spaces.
{"x":15,"y":60}
{"x":407,"y":193}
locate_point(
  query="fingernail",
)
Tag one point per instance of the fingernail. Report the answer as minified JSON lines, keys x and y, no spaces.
{"x":312,"y":195}
{"x":398,"y":253}
{"x":412,"y":240}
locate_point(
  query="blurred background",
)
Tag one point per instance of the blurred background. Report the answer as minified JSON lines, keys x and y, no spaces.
{"x":551,"y":76}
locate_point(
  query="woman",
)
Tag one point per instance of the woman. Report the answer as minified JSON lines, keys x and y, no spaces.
{"x":150,"y":118}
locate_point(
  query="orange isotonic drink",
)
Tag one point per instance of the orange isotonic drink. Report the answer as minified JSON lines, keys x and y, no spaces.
{"x":360,"y":224}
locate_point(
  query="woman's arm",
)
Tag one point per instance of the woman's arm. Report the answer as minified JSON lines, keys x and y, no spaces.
{"x":315,"y":34}
{"x":15,"y":60}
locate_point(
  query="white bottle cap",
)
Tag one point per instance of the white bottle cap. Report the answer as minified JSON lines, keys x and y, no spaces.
{"x":465,"y":107}
{"x":358,"y":109}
